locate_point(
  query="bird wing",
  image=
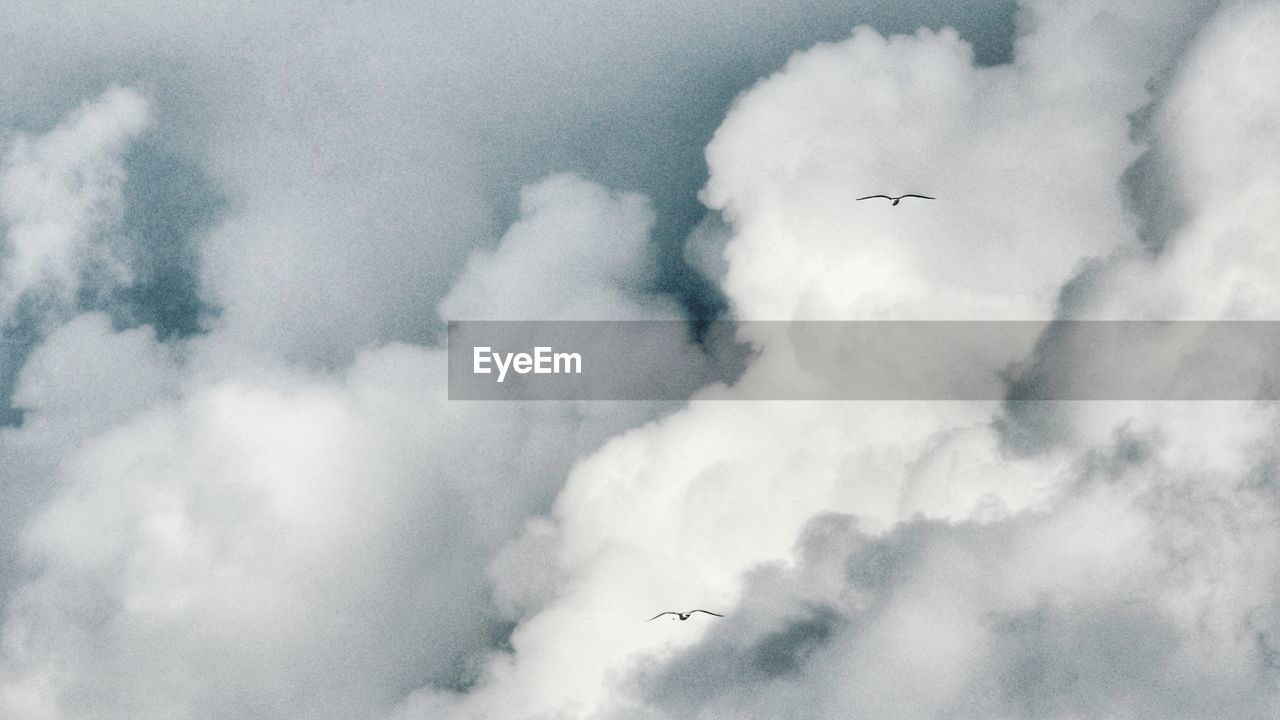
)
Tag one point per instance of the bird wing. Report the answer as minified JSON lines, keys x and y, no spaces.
{"x":707,"y":612}
{"x":886,"y":197}
{"x":926,"y":197}
{"x":655,"y":617}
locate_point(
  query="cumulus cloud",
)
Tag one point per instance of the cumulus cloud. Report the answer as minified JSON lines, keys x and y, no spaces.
{"x":1216,"y":130}
{"x":1024,"y":617}
{"x":590,"y":247}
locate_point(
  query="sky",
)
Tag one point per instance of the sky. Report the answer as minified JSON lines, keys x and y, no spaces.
{"x":232,"y":484}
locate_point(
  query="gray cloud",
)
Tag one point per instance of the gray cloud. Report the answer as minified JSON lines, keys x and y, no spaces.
{"x":1020,"y":617}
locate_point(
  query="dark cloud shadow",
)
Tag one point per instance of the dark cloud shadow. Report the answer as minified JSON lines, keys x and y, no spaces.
{"x":169,"y":203}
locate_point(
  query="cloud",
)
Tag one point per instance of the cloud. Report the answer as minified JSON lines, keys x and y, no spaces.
{"x":1213,"y":127}
{"x":590,"y":247}
{"x":912,"y":114}
{"x":1023,"y":617}
{"x":1213,"y":263}
{"x":59,"y":193}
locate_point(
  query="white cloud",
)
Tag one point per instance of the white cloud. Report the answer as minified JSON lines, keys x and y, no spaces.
{"x":1217,"y":127}
{"x":59,"y":192}
{"x":577,"y":252}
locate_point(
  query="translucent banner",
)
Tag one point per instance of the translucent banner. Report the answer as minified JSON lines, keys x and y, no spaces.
{"x":889,"y":360}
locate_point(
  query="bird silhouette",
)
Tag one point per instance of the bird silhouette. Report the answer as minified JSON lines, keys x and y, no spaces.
{"x":896,"y":200}
{"x":682,"y":615}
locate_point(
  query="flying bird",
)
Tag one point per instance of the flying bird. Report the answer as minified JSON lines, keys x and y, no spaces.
{"x":896,"y":200}
{"x":682,"y":615}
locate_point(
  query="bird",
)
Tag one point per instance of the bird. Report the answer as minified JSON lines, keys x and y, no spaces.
{"x":682,"y":615}
{"x":896,"y":200}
